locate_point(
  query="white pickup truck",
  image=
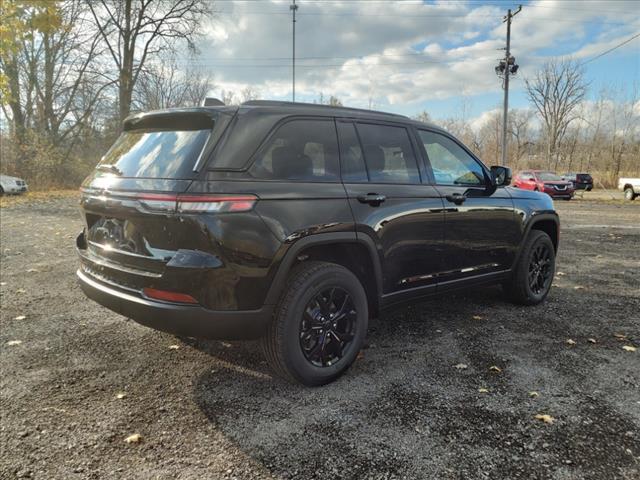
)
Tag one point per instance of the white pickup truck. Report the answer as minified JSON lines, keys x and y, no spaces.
{"x":630,"y":187}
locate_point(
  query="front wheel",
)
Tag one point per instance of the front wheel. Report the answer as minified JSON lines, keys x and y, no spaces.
{"x":531,"y":279}
{"x":629,"y":194}
{"x":319,"y":324}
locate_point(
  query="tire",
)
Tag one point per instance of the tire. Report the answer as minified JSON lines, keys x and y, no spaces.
{"x":519,"y":286}
{"x":629,"y":194}
{"x":295,"y":341}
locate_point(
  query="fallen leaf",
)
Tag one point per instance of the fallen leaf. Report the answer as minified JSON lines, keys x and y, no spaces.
{"x":494,"y":368}
{"x":360,"y":355}
{"x":460,"y":366}
{"x":570,"y":342}
{"x":545,"y":418}
{"x":483,"y":390}
{"x":121,"y":395}
{"x":629,"y":348}
{"x":477,"y":317}
{"x":174,"y":347}
{"x":620,"y":336}
{"x":592,"y":340}
{"x":135,"y":438}
{"x":560,"y":274}
{"x":33,"y":270}
{"x":14,"y":342}
{"x":21,"y":290}
{"x":20,"y":317}
{"x":578,"y":287}
{"x":534,"y":394}
{"x":2,"y":284}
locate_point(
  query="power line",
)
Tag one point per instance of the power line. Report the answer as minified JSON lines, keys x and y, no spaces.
{"x":611,"y":49}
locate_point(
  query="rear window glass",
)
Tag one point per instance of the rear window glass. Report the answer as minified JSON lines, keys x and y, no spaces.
{"x":304,"y":150}
{"x":155,"y":154}
{"x":388,"y":153}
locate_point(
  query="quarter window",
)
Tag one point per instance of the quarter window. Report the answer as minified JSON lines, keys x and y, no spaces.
{"x":305,"y":150}
{"x":388,"y":154}
{"x":450,"y":163}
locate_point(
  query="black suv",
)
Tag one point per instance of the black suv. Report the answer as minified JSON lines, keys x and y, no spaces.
{"x":296,"y":223}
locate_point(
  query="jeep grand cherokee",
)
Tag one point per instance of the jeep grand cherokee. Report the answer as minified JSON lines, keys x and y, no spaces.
{"x":296,"y":223}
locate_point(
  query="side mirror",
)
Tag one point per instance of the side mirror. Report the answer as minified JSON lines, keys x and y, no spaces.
{"x":500,"y":176}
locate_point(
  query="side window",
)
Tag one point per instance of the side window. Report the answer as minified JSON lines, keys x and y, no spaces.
{"x":450,"y":163}
{"x":305,"y":150}
{"x":351,"y":158}
{"x":388,"y":153}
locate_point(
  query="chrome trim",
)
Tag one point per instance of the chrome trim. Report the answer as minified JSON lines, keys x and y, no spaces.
{"x":118,"y":251}
{"x":116,"y":266}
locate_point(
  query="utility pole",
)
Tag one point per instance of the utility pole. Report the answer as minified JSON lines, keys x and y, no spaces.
{"x":293,"y":7}
{"x":505,"y":68}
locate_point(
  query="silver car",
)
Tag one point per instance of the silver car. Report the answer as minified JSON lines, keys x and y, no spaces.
{"x":12,"y":185}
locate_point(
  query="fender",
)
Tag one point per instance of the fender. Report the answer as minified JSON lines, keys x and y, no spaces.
{"x":537,"y":217}
{"x":294,"y":250}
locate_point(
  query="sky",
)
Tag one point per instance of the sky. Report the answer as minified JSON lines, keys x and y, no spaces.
{"x":413,"y":55}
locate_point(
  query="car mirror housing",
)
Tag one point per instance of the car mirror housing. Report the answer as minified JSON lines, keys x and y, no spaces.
{"x":500,"y":176}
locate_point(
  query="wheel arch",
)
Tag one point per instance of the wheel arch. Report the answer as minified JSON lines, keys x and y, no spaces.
{"x":547,"y":222}
{"x":358,"y":254}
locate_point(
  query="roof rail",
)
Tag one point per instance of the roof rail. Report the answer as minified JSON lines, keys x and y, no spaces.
{"x":282,"y":103}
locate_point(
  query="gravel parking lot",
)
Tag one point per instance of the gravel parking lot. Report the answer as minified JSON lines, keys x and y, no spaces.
{"x":448,"y":388}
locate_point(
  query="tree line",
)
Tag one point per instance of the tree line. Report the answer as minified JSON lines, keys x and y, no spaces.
{"x":562,"y":130}
{"x":72,"y":70}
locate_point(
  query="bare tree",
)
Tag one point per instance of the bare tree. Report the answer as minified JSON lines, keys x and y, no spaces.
{"x":165,"y":86}
{"x":556,"y":91}
{"x":53,"y":90}
{"x":519,"y":127}
{"x":423,"y":116}
{"x":134,"y":30}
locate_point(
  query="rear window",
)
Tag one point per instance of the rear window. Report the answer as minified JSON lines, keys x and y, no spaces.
{"x":155,"y":153}
{"x":303,"y":150}
{"x":388,"y":154}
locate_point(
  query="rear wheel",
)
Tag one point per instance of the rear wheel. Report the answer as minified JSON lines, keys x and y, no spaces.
{"x":532,"y":277}
{"x":319,"y":324}
{"x":628,"y":194}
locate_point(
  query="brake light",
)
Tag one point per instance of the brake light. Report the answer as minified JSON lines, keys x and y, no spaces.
{"x":215,"y":203}
{"x":197,"y":203}
{"x":167,"y":296}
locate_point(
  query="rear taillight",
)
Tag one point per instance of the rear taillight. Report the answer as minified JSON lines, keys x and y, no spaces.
{"x":168,"y":296}
{"x":197,"y":203}
{"x":215,"y":203}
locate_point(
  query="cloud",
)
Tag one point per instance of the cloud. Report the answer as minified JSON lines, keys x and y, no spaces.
{"x":396,"y":53}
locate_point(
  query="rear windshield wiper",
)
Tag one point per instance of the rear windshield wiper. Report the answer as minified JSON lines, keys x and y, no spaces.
{"x":109,"y":168}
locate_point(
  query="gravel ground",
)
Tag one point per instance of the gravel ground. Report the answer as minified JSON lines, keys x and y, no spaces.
{"x":424,"y":400}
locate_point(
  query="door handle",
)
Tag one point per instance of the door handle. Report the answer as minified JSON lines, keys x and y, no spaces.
{"x":457,"y":198}
{"x":373,"y":199}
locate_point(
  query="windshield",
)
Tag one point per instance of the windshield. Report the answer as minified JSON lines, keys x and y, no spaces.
{"x":155,"y":154}
{"x":549,"y":177}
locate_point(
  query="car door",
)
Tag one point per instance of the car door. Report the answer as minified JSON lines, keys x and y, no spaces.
{"x":403,"y":216}
{"x":481,"y":229}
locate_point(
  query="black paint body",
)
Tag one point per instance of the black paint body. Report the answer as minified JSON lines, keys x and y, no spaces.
{"x":414,"y":243}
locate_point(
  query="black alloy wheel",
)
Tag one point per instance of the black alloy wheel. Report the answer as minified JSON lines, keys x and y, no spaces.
{"x":540,"y":268}
{"x":328,"y":327}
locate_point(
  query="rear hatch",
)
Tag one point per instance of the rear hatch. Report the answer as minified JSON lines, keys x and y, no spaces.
{"x":130,"y":202}
{"x":584,"y":178}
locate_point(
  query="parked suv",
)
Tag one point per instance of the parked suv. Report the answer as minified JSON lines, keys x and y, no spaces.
{"x":296,"y":223}
{"x":580,"y":181}
{"x":547,"y":182}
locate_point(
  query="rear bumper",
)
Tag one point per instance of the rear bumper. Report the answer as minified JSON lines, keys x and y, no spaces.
{"x":186,"y":320}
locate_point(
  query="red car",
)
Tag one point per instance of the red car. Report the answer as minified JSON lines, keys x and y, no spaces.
{"x":543,"y":181}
